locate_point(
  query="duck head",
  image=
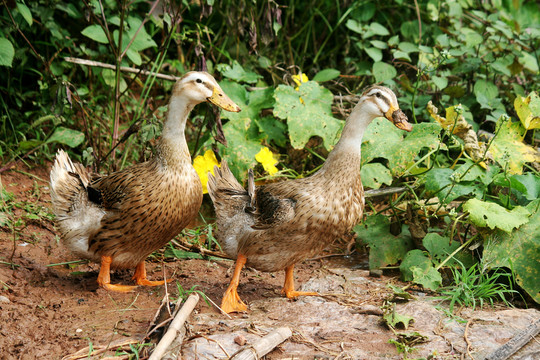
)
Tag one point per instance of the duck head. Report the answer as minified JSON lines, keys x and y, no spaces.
{"x":381,"y":101}
{"x":200,"y":86}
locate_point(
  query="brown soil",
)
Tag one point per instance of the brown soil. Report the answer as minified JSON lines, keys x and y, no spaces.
{"x":49,"y":312}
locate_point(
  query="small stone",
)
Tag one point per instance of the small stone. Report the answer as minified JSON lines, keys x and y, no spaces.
{"x":4,"y":300}
{"x":240,"y":340}
{"x":375,"y":273}
{"x":78,"y":331}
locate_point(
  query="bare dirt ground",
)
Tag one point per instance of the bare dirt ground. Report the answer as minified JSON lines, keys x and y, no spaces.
{"x":50,"y":312}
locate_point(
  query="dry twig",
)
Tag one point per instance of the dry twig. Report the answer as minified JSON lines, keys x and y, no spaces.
{"x":264,"y":345}
{"x":175,"y":327}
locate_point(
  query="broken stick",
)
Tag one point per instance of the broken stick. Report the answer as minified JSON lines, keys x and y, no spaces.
{"x":175,"y":327}
{"x":264,"y":345}
{"x":517,"y":342}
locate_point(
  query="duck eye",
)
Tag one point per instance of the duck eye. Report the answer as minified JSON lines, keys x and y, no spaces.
{"x":378,"y":94}
{"x":199,"y":81}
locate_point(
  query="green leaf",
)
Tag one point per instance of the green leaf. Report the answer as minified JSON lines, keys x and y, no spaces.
{"x":136,"y":30}
{"x":383,"y":140}
{"x":374,"y":53}
{"x":65,"y":136}
{"x":374,"y":175}
{"x":508,"y":148}
{"x":529,"y":61}
{"x":494,"y":216}
{"x":240,"y":152}
{"x":7,"y":52}
{"x":407,"y":47}
{"x":440,"y":247}
{"x":96,"y":33}
{"x":273,"y":130}
{"x":528,"y":110}
{"x":530,"y":183}
{"x":308,"y":113}
{"x":355,"y":26}
{"x":238,"y":73}
{"x":326,"y":75}
{"x":416,"y":258}
{"x":401,"y":55}
{"x":518,"y":251}
{"x":486,"y":93}
{"x":429,"y":278}
{"x":25,"y":12}
{"x":378,"y":29}
{"x":440,"y":81}
{"x":383,"y":71}
{"x":439,"y":180}
{"x":394,"y":320}
{"x":385,"y":248}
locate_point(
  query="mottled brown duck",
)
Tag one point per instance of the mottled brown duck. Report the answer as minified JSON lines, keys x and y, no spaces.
{"x":119,"y":219}
{"x":274,"y":226}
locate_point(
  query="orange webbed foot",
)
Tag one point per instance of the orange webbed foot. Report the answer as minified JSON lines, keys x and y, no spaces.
{"x":118,"y":287}
{"x":104,"y":277}
{"x":140,"y":277}
{"x":288,"y":287}
{"x":231,"y":302}
{"x":292,"y":294}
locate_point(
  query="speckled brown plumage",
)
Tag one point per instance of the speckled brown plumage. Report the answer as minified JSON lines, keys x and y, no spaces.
{"x":277,"y":225}
{"x":119,"y":219}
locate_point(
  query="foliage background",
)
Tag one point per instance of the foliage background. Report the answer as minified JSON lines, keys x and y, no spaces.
{"x":470,"y":166}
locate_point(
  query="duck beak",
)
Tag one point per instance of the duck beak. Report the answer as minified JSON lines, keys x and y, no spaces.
{"x":219,"y":98}
{"x":398,"y":118}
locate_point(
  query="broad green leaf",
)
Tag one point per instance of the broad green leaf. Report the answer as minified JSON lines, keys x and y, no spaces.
{"x":529,"y":61}
{"x":485,"y":91}
{"x":378,"y":29}
{"x":530,"y":183}
{"x":374,"y":53}
{"x":383,"y":140}
{"x":444,"y":182}
{"x":440,"y":81}
{"x":528,"y":110}
{"x":518,"y":250}
{"x":494,"y":216}
{"x":25,"y":12}
{"x":238,"y":73}
{"x":385,"y":248}
{"x":7,"y":52}
{"x":407,"y":47}
{"x":440,"y":248}
{"x":136,"y":30}
{"x":109,"y":78}
{"x":308,"y":113}
{"x":240,"y":151}
{"x":355,"y":26}
{"x":508,"y":148}
{"x":383,"y":71}
{"x":326,"y":75}
{"x":374,"y":175}
{"x":394,"y":320}
{"x":65,"y":136}
{"x":401,"y":55}
{"x":96,"y":33}
{"x":273,"y":130}
{"x":416,"y":258}
{"x":379,"y":44}
{"x":429,"y":277}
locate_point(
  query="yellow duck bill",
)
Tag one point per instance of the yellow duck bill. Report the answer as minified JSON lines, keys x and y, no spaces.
{"x":399,"y":119}
{"x":219,"y":98}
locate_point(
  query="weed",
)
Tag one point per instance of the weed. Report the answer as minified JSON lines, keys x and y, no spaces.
{"x":475,"y":287}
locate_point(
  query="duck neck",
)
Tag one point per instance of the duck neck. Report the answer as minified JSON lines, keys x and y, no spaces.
{"x":172,"y":147}
{"x":346,"y":155}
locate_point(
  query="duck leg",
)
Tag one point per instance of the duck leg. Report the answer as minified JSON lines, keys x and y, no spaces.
{"x":104,"y":277}
{"x":231,"y":302}
{"x":140,"y":276}
{"x":288,"y":287}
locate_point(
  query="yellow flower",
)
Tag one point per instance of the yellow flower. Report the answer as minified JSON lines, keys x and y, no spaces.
{"x":268,"y":160}
{"x":203,"y":164}
{"x":299,"y":79}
